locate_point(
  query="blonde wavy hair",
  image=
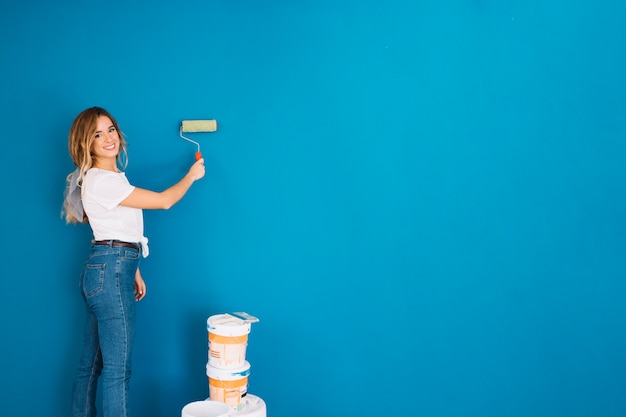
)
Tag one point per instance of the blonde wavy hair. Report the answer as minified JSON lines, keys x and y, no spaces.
{"x":80,"y":143}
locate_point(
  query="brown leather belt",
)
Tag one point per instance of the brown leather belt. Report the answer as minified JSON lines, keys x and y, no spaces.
{"x":116,"y":243}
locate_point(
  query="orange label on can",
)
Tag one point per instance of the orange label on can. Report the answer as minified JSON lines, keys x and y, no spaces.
{"x":218,"y":383}
{"x":228,"y":340}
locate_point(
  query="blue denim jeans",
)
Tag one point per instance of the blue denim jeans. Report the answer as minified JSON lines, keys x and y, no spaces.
{"x":107,"y":285}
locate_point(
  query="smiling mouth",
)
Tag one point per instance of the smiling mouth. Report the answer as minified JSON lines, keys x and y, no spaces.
{"x":109,"y":148}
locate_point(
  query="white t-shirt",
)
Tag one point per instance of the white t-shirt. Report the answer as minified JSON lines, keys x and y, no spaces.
{"x":102,"y":193}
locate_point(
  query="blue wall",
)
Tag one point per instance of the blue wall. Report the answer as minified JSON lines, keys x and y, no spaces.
{"x":422,"y":201}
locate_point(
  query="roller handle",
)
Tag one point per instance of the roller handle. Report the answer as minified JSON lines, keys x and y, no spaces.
{"x":198,"y":156}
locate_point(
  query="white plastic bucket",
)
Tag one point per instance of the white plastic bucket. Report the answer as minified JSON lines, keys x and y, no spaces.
{"x":205,"y":409}
{"x":229,"y":386}
{"x":228,"y":340}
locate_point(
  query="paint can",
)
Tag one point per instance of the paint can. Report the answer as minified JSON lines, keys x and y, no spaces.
{"x":229,"y":386}
{"x":205,"y":409}
{"x":228,"y":340}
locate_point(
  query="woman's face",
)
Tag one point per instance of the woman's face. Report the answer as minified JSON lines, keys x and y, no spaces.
{"x":106,"y":142}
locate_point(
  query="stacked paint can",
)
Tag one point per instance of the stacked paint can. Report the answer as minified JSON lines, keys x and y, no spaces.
{"x":227,"y":368}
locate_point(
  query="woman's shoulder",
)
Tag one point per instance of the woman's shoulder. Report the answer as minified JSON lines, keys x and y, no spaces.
{"x":97,"y":174}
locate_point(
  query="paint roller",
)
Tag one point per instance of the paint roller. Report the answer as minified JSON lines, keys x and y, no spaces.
{"x":197,"y":126}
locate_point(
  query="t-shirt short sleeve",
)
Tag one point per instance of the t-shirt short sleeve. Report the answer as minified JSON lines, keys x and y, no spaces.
{"x":112,"y":189}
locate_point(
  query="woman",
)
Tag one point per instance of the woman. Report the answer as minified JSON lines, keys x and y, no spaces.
{"x":99,"y":193}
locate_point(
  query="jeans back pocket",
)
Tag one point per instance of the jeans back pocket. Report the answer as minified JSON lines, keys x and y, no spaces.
{"x":93,"y":279}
